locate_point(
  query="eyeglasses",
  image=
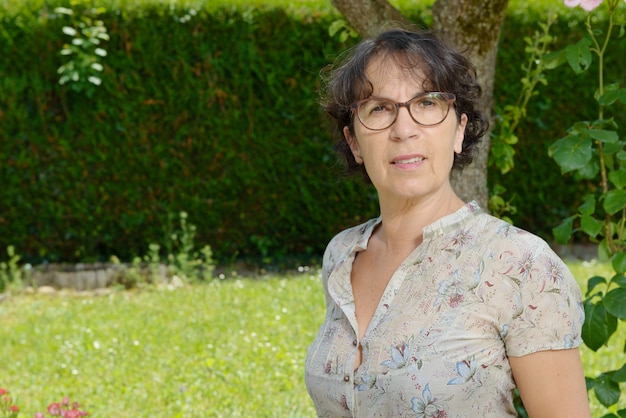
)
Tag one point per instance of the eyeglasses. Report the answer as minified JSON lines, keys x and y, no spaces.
{"x":426,"y":109}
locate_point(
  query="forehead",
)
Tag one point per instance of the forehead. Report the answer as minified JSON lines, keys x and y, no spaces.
{"x":385,"y":73}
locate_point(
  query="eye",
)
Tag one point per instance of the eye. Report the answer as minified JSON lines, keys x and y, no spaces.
{"x":375,"y":106}
{"x":430,"y":101}
{"x":427,"y":103}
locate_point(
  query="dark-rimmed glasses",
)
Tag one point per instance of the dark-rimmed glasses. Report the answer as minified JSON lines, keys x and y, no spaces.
{"x":426,"y":109}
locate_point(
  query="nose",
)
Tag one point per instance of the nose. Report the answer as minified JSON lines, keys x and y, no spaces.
{"x":404,"y":127}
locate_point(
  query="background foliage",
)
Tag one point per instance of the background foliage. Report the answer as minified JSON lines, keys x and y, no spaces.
{"x":212,"y":110}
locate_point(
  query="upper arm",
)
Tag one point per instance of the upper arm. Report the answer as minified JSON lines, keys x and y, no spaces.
{"x":552,"y":384}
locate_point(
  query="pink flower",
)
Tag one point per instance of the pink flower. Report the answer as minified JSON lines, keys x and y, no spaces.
{"x":587,"y":5}
{"x":54,"y":409}
{"x":14,"y":408}
{"x":39,"y":415}
{"x":3,"y":391}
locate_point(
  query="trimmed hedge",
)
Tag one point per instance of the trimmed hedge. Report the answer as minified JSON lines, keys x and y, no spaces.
{"x":216,"y":116}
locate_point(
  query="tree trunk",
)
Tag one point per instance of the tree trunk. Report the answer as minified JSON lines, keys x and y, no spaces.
{"x":369,"y":17}
{"x":471,"y":26}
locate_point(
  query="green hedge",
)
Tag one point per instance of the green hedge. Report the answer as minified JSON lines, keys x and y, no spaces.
{"x":216,"y":116}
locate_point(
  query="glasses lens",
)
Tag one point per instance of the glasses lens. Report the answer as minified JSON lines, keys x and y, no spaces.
{"x":377,"y":113}
{"x":429,"y":109}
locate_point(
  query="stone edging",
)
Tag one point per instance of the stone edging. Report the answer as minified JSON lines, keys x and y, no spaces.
{"x":83,"y":277}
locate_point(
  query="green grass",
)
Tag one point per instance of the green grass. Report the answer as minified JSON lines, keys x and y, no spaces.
{"x":232,"y":348}
{"x":229,"y":348}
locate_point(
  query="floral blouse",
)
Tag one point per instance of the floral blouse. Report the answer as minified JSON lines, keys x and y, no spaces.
{"x":476,"y":291}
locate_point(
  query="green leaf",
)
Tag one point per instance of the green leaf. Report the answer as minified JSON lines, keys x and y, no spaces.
{"x":618,"y":261}
{"x":580,"y":127}
{"x":593,"y":282}
{"x":603,"y":135}
{"x":554,"y":59}
{"x":590,"y":226}
{"x":604,"y":123}
{"x":607,"y":391}
{"x":614,"y":201}
{"x":571,"y":152}
{"x":612,"y":92}
{"x":588,"y":207}
{"x":598,"y":326}
{"x":620,"y":280}
{"x":496,"y":201}
{"x":590,"y":170}
{"x":563,"y":232}
{"x":622,"y":413}
{"x":620,"y":375}
{"x":609,"y":97}
{"x":615,"y":302}
{"x":336,"y":26}
{"x":579,"y":56}
{"x":604,"y":251}
{"x":618,"y":178}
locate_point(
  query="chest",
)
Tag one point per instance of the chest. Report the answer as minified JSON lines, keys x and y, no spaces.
{"x":431,"y":330}
{"x":369,"y":277}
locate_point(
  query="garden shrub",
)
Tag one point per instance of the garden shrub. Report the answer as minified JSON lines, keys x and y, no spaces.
{"x":214,"y":114}
{"x":542,"y":195}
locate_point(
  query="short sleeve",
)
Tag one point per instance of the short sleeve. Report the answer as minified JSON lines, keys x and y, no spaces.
{"x":545,"y":311}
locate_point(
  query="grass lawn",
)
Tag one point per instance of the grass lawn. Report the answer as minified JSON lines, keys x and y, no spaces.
{"x":232,"y":348}
{"x":229,"y":348}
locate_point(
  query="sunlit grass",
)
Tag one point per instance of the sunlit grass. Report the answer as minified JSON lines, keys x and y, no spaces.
{"x":230,"y":348}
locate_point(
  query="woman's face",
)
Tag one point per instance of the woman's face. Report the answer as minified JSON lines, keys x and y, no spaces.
{"x":406,"y":160}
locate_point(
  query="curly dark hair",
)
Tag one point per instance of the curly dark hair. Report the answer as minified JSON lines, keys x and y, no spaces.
{"x":422,"y":54}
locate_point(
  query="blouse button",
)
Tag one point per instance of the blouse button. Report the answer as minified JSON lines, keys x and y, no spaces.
{"x":346,"y":378}
{"x":355,"y":342}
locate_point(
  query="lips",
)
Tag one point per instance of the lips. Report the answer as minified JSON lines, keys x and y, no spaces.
{"x":407,"y":159}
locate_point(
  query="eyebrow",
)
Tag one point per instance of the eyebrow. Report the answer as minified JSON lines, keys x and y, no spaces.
{"x":372,"y":96}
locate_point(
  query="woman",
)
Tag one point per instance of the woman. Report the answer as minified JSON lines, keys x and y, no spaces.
{"x":435,"y":308}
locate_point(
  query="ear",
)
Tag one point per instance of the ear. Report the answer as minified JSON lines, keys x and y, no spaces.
{"x":353,"y":144}
{"x":460,"y":134}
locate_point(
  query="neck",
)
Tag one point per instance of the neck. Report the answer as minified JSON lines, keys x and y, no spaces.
{"x":403,"y":222}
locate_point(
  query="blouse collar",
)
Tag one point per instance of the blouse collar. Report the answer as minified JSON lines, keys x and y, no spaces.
{"x":437,"y":228}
